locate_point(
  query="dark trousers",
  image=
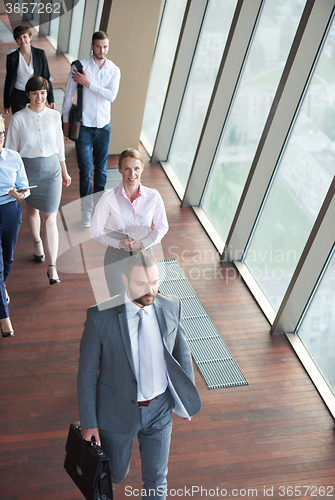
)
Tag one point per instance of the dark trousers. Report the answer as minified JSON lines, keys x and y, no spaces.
{"x":10,"y":221}
{"x":114,"y":262}
{"x":92,"y":145}
{"x":114,"y":268}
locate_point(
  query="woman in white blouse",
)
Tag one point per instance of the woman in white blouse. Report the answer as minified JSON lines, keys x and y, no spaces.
{"x":36,"y":133}
{"x":132,"y":210}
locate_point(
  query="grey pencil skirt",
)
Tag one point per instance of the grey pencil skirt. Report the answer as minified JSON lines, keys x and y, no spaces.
{"x":46,"y":173}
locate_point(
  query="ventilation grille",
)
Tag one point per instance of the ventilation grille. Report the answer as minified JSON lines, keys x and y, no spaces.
{"x":212,"y":357}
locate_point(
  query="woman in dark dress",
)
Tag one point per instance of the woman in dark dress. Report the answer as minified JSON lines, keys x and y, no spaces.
{"x":21,"y":65}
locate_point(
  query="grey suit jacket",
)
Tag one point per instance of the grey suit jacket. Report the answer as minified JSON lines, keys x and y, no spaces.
{"x":107,"y":386}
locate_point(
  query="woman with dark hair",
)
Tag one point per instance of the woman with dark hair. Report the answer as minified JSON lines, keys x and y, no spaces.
{"x":13,"y":188}
{"x":36,"y":133}
{"x":135,"y":216}
{"x":21,"y":65}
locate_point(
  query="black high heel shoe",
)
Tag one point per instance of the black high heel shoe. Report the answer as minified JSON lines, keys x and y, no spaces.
{"x":38,"y":258}
{"x":7,"y":334}
{"x":52,"y":281}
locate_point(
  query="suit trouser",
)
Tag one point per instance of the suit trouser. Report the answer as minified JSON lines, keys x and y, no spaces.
{"x":153,"y":428}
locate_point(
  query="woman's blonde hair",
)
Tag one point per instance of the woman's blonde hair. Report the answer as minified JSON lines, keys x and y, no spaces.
{"x":130,"y":153}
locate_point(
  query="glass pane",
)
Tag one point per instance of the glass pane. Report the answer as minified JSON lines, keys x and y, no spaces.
{"x":54,"y":22}
{"x":162,"y":65}
{"x":76,"y":28}
{"x":98,"y":15}
{"x":261,"y":75}
{"x":200,"y":86}
{"x":300,"y":185}
{"x":317,"y":331}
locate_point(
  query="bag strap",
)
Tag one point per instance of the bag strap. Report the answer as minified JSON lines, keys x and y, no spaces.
{"x":79,"y":67}
{"x":79,"y":102}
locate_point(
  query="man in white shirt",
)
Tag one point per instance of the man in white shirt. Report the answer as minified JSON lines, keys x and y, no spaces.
{"x":126,"y":388}
{"x":100,"y":80}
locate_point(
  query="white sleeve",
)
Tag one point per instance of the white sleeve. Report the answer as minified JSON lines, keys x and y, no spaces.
{"x":70,"y":90}
{"x":160,"y":222}
{"x":99,"y":221}
{"x":13,"y":136}
{"x":59,"y":138}
{"x":110,"y":92}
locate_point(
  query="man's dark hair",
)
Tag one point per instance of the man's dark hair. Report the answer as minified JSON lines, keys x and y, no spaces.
{"x":36,"y":83}
{"x":99,"y":35}
{"x":140,"y":259}
{"x":21,"y":30}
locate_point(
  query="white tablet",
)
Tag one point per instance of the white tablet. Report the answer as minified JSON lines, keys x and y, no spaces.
{"x":118,"y":235}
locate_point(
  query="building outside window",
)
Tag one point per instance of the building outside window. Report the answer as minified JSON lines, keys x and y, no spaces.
{"x":299,"y":187}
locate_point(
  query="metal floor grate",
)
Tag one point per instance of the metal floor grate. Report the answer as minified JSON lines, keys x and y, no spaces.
{"x":212,"y":357}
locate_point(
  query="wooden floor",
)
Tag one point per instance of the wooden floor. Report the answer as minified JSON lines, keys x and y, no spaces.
{"x":259,"y":440}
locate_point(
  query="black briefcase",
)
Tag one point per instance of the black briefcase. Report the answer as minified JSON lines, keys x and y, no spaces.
{"x":88,"y":466}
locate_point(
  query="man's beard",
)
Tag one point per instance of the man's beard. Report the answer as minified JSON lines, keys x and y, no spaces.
{"x":142,"y":300}
{"x":100,"y":56}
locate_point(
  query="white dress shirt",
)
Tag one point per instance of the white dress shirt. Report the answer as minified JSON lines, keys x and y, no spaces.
{"x":116,"y":211}
{"x":158,"y":360}
{"x":24,"y":72}
{"x":102,"y":91}
{"x":36,"y":134}
{"x":12,"y":174}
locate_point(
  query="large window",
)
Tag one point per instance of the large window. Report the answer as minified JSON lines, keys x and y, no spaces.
{"x":98,"y":15}
{"x":76,"y":28}
{"x":200,"y":86}
{"x":302,"y":180}
{"x":268,"y":53}
{"x":162,"y":65}
{"x":318,"y":326}
{"x":54,"y":25}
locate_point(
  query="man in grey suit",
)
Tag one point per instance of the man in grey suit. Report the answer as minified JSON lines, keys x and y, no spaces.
{"x":118,"y":399}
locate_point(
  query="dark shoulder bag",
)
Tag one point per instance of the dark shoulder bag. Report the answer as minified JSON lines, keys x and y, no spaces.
{"x":76,"y":110}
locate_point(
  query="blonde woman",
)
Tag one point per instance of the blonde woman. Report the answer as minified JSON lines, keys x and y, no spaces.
{"x":132,"y":209}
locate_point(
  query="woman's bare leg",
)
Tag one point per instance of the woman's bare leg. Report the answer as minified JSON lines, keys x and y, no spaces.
{"x":52,"y":242}
{"x":34,"y":224}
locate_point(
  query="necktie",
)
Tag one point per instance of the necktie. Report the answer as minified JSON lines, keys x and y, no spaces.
{"x":145,"y":357}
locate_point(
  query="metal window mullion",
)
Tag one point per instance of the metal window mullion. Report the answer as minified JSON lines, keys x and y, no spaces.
{"x":192,"y":23}
{"x":238,"y":41}
{"x":309,"y":268}
{"x":292,"y":86}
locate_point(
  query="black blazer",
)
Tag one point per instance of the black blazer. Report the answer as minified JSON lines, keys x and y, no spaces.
{"x":41,"y":68}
